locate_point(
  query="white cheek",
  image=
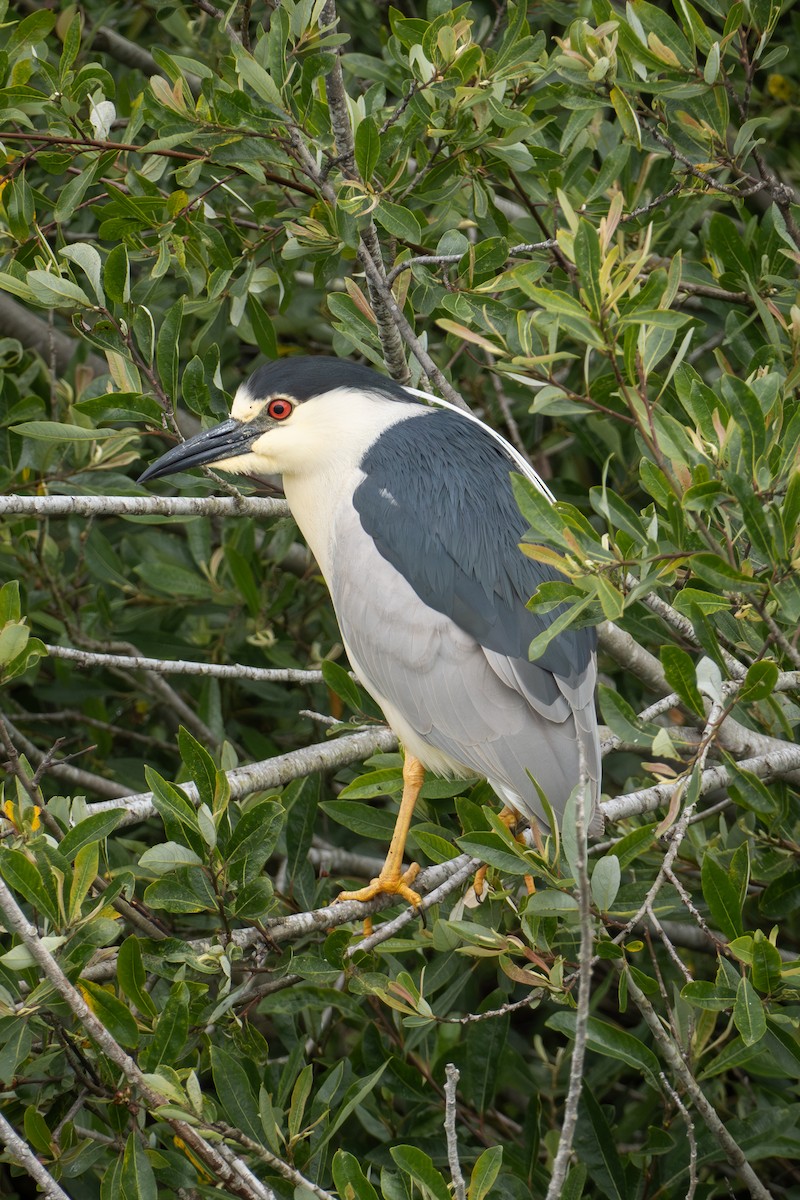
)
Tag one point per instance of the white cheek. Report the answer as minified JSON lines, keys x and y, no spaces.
{"x":241,"y":464}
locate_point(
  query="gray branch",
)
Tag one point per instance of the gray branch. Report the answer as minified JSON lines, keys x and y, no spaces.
{"x":143,"y":506}
{"x":452,"y":1077}
{"x":20,"y":1153}
{"x":391,"y":342}
{"x":767,"y":766}
{"x":270,"y":773}
{"x":162,"y":666}
{"x":737,"y":739}
{"x":570,"y":1120}
{"x":673,"y":1057}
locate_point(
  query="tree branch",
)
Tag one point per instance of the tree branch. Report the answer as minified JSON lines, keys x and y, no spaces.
{"x":20,"y":1152}
{"x":143,"y":506}
{"x":672,"y":1054}
{"x":452,"y":1077}
{"x":561,"y":1161}
{"x":231,"y":1171}
{"x":163,"y":666}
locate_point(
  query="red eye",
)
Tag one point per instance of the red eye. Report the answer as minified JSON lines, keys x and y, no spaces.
{"x":279,"y":409}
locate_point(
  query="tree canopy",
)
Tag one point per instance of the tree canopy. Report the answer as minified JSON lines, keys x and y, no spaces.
{"x":580,"y":221}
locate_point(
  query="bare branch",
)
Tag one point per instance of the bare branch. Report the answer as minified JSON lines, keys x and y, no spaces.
{"x":777,"y":764}
{"x":85,"y":781}
{"x":163,"y":666}
{"x":672,"y":1054}
{"x":561,"y":1161}
{"x":143,"y":506}
{"x":690,"y":1134}
{"x":270,"y":773}
{"x":20,"y":1152}
{"x":452,"y":1077}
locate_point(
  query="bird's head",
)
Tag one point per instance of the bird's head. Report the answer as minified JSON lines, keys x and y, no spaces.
{"x":292,"y":414}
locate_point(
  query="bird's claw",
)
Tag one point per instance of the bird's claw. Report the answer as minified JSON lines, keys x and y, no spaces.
{"x":387,"y":885}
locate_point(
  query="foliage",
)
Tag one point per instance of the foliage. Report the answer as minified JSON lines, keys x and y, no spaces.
{"x":589,"y":212}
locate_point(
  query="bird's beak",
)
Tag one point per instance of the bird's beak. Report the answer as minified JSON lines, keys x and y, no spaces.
{"x":231,"y":439}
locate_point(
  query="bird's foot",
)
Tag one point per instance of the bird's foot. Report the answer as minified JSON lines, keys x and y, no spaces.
{"x":388,"y":884}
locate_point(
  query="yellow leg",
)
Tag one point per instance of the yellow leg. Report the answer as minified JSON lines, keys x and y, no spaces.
{"x":392,"y":879}
{"x":509,"y":818}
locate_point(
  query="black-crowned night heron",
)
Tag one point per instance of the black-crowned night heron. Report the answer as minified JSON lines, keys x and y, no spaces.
{"x":409,"y":512}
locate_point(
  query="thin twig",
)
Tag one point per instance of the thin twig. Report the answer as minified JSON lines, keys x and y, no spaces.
{"x":452,"y":1077}
{"x":672,"y":1054}
{"x":163,"y":666}
{"x":690,"y":1133}
{"x":561,"y":1161}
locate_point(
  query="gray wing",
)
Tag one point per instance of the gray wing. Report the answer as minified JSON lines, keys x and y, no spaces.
{"x":459,"y":706}
{"x":436,"y":498}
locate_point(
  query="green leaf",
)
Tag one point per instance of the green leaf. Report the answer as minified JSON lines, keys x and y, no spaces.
{"x":712,"y":997}
{"x":168,"y":349}
{"x":484,"y":1173}
{"x":137,"y":1181}
{"x":540,"y":643}
{"x":167,"y":856}
{"x":9,"y":602}
{"x":24,"y":876}
{"x":491,"y":849}
{"x":767,"y":965}
{"x":605,"y":882}
{"x":186,"y":890}
{"x":367,"y":147}
{"x":169,"y":1038}
{"x":361,"y":818}
{"x":621,"y":718}
{"x":400,"y":222}
{"x":419,"y":1166}
{"x":115,"y":1015}
{"x":199,"y":764}
{"x":680,"y":672}
{"x":263,"y":328}
{"x":632,"y":844}
{"x":59,"y":431}
{"x":37,"y":1133}
{"x":131,"y":976}
{"x":84,"y":873}
{"x":759,"y":682}
{"x":748,"y":1013}
{"x":352,"y":1099}
{"x":613,"y":1042}
{"x":707,"y":602}
{"x":609,"y":1163}
{"x":254,"y":839}
{"x":93,"y":828}
{"x":782,"y":896}
{"x":178,"y":815}
{"x":551,"y":903}
{"x":235,"y":1093}
{"x":587,"y":260}
{"x":117,"y":275}
{"x":253,"y":74}
{"x":348,"y":1177}
{"x":628,"y":120}
{"x":54,"y":291}
{"x":721,"y":896}
{"x":342,"y":685}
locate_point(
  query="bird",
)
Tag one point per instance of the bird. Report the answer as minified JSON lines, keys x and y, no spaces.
{"x":406,"y":503}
